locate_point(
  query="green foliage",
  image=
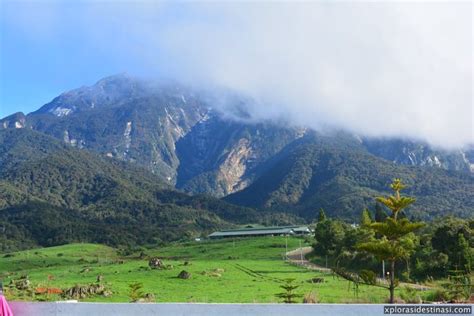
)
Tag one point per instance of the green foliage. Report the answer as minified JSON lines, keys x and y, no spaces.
{"x":336,"y":175}
{"x":321,"y":216}
{"x":53,"y":194}
{"x":329,"y":236}
{"x":395,"y":229}
{"x":465,"y":254}
{"x":289,"y":296}
{"x":366,"y":219}
{"x":254,"y":276}
{"x":454,"y":238}
{"x":136,"y":292}
{"x":460,"y":287}
{"x":368,"y":277}
{"x":411,"y":295}
{"x":380,"y":214}
{"x":397,"y":240}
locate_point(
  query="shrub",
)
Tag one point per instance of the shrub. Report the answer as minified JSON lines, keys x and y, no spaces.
{"x":439,"y":295}
{"x":135,"y":291}
{"x":289,"y":295}
{"x":411,"y":295}
{"x":310,"y":298}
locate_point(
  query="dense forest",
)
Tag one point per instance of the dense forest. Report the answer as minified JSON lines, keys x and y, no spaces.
{"x":51,"y":194}
{"x":444,"y":245}
{"x":319,"y":172}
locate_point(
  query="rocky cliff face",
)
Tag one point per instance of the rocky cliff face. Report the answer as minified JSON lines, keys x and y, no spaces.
{"x":221,"y":156}
{"x":420,"y":154}
{"x":124,"y":118}
{"x":17,"y":120}
{"x":179,"y":134}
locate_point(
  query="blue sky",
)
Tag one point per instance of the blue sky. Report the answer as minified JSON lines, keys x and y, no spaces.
{"x":48,"y":47}
{"x":341,"y":64}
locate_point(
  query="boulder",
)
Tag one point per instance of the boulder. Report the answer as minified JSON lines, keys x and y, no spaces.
{"x":316,"y":280}
{"x":23,"y":283}
{"x":184,"y":275}
{"x":147,"y":298}
{"x":84,"y":291}
{"x":156,"y":263}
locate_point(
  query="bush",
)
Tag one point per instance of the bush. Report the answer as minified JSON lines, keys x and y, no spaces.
{"x":411,"y":295}
{"x":440,"y":295}
{"x":289,"y":294}
{"x":135,"y":291}
{"x":310,"y":298}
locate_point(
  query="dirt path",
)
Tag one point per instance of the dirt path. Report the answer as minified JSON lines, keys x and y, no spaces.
{"x":294,"y":257}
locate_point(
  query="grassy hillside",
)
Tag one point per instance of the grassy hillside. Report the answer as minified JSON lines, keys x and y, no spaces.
{"x":253,"y":271}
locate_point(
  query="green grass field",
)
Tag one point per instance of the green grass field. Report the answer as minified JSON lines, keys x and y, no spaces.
{"x":253,"y":270}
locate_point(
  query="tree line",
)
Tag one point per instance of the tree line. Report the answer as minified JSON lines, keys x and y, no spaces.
{"x":388,"y":240}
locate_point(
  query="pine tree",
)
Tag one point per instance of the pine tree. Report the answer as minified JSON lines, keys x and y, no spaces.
{"x":464,"y":254}
{"x":322,"y":216}
{"x":289,"y":295}
{"x":380,"y":214}
{"x":365,"y":219}
{"x":135,"y":291}
{"x":396,"y":236}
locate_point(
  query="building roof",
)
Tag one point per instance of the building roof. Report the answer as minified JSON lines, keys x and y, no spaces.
{"x":260,"y":231}
{"x":253,"y":231}
{"x":301,"y":229}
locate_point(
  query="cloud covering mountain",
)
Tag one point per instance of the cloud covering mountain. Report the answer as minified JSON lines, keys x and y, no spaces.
{"x":399,"y":69}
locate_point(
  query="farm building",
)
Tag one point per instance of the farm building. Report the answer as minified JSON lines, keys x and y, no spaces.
{"x":262,"y":231}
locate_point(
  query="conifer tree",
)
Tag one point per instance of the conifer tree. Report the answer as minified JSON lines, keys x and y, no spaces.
{"x":322,"y":216}
{"x":289,"y":294}
{"x":395,"y":241}
{"x":365,"y":219}
{"x":380,"y":214}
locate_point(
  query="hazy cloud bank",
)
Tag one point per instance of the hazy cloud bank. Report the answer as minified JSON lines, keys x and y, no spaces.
{"x":377,"y":69}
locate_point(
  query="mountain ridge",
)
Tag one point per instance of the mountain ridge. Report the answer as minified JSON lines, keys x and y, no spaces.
{"x":182,"y":136}
{"x":39,"y":173}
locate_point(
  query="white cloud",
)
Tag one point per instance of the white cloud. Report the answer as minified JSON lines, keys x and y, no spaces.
{"x":401,"y":69}
{"x":379,"y":69}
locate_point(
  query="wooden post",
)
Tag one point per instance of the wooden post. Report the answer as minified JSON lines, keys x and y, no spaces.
{"x":301,"y":253}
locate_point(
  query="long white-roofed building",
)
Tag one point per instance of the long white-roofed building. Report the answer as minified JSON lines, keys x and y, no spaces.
{"x":262,"y":231}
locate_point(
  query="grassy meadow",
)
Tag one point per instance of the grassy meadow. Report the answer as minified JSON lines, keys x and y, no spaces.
{"x":253,"y":270}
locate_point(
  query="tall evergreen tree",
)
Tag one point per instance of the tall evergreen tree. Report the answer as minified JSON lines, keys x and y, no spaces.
{"x":365,"y":219}
{"x":464,"y":254}
{"x":395,"y":240}
{"x":322,"y":216}
{"x":380,"y":214}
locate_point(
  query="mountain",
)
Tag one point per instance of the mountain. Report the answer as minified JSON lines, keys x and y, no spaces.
{"x":343,"y":178}
{"x":412,"y":153}
{"x":100,"y":199}
{"x":205,"y":142}
{"x":169,"y":129}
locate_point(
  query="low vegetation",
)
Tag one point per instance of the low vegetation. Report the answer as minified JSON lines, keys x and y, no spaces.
{"x":253,"y":268}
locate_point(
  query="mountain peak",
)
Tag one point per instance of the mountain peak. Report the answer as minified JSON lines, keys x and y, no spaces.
{"x":107,"y":91}
{"x":117,"y":79}
{"x":16,"y":120}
